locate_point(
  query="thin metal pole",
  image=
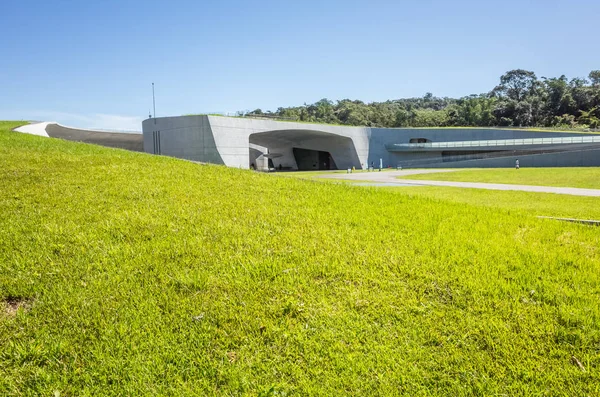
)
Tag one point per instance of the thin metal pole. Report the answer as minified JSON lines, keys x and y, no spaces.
{"x":153,"y":103}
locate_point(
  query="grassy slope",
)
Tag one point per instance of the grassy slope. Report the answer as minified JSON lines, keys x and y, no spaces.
{"x":542,"y":204}
{"x":148,"y":275}
{"x":318,"y":175}
{"x":561,"y":177}
{"x":9,"y":125}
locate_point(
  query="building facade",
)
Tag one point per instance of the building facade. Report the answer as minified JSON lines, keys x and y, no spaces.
{"x":281,"y":145}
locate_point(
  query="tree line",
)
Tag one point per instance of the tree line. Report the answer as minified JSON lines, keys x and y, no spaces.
{"x":520,"y":100}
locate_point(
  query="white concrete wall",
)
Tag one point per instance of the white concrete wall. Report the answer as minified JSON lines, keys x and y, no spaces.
{"x":287,"y":159}
{"x":226,"y":140}
{"x":232,"y":136}
{"x":188,"y":137}
{"x":257,"y":158}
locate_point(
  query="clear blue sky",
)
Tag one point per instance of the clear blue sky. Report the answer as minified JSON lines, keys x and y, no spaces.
{"x":91,"y":63}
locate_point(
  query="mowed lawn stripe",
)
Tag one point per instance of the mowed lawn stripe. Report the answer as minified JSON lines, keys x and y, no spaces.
{"x":578,"y":177}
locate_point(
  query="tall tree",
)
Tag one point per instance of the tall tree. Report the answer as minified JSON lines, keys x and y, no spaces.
{"x":517,"y":84}
{"x":595,"y":78}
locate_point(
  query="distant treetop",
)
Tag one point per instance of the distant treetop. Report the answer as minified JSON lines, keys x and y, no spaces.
{"x":520,"y":100}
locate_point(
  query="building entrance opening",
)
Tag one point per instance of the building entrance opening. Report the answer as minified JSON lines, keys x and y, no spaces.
{"x":312,"y":160}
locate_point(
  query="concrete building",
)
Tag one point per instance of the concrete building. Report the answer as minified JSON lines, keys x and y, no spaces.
{"x":267,"y":144}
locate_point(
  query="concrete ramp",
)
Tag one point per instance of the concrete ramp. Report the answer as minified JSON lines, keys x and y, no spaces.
{"x":34,"y":129}
{"x":121,"y":140}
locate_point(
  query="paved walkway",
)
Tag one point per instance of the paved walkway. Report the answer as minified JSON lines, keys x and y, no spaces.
{"x":35,"y":129}
{"x":389,"y":178}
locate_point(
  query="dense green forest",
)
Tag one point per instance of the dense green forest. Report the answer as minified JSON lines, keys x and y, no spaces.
{"x":520,"y":100}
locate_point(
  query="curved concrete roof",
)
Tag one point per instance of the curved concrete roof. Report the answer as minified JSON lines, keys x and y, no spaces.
{"x":292,"y":135}
{"x":121,"y":140}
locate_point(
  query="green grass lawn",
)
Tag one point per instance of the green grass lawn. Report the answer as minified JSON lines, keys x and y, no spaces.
{"x":318,"y":176}
{"x":123,"y":273}
{"x":582,"y":177}
{"x":538,"y":204}
{"x":6,"y":126}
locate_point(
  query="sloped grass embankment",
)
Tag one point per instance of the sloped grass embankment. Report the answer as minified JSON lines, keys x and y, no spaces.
{"x":145,"y":275}
{"x":580,"y":177}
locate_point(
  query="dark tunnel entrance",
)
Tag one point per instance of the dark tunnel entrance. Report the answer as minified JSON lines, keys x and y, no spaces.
{"x":305,"y":150}
{"x":310,"y":160}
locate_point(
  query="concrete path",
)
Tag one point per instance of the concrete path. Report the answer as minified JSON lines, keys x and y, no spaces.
{"x":384,"y":176}
{"x":389,"y":179}
{"x":35,"y":129}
